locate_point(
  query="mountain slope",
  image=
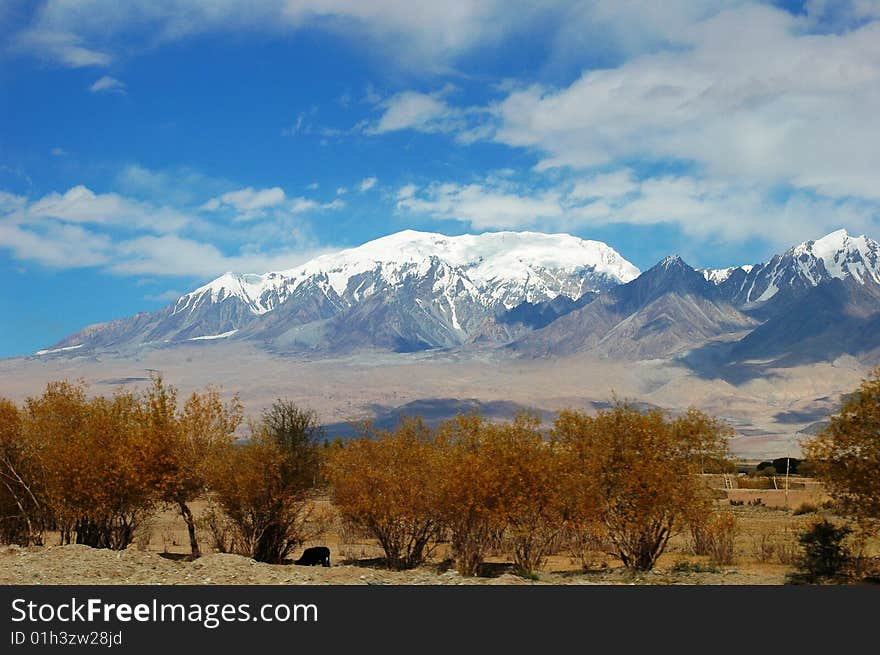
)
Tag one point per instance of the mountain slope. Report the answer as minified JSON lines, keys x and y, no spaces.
{"x":669,"y":308}
{"x":409,"y":290}
{"x":835,"y":317}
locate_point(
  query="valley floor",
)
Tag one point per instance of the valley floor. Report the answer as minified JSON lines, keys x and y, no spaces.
{"x":767,"y":410}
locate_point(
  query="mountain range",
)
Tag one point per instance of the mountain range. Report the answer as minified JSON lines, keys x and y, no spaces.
{"x":532,"y":295}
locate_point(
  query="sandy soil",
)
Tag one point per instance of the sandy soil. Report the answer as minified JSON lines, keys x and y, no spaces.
{"x":83,"y":565}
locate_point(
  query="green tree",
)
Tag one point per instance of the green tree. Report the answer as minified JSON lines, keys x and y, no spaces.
{"x":299,"y":435}
{"x":264,"y":485}
{"x":824,"y":553}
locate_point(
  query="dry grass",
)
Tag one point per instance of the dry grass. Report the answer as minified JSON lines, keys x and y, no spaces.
{"x":764,"y":550}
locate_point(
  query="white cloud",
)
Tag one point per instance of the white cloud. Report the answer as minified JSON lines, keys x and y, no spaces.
{"x":305,"y":124}
{"x":299,"y":125}
{"x":430,"y":113}
{"x":839,"y":14}
{"x":177,"y":186}
{"x":410,"y":34}
{"x":482,"y":207}
{"x":11,"y":202}
{"x":701,"y":209}
{"x":55,"y":244}
{"x":82,"y":205}
{"x":137,"y":178}
{"x":406,"y":191}
{"x":412,"y":110}
{"x":248,"y":203}
{"x":174,"y":255}
{"x":605,"y":185}
{"x":107,"y":84}
{"x":748,"y":97}
{"x":432,"y":36}
{"x":80,"y":228}
{"x":61,"y":46}
{"x":298,"y":205}
{"x":367,"y":184}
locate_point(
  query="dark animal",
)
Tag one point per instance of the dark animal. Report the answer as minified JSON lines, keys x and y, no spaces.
{"x":314,"y":556}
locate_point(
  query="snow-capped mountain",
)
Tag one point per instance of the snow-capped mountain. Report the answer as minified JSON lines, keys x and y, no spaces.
{"x":720,"y":275}
{"x":406,"y":290}
{"x":499,"y":268}
{"x":806,"y":265}
{"x":259,"y":293}
{"x":537,"y":293}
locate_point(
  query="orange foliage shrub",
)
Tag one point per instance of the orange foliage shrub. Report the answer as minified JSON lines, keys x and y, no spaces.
{"x":469,"y":495}
{"x":94,"y":463}
{"x":95,"y":468}
{"x":387,"y":484}
{"x":21,"y":507}
{"x":183,"y":442}
{"x":847,"y":453}
{"x":640,"y":469}
{"x":526,"y":475}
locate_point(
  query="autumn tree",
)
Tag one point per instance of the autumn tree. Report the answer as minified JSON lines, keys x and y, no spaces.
{"x":386,"y":483}
{"x":846,"y":453}
{"x":263,"y":486}
{"x":526,"y":472}
{"x":94,"y":463}
{"x":703,"y":440}
{"x":54,"y":424}
{"x":21,"y":506}
{"x":182,"y":443}
{"x":468,"y":493}
{"x":642,"y":468}
{"x":585,"y":529}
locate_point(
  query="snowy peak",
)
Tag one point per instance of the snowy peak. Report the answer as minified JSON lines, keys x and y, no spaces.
{"x":671,"y":261}
{"x":500,"y":268}
{"x":720,"y":275}
{"x":488,"y":260}
{"x":841,"y":255}
{"x":806,"y":265}
{"x":259,"y":293}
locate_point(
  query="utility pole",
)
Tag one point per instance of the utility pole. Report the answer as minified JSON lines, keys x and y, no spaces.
{"x":787,"y":467}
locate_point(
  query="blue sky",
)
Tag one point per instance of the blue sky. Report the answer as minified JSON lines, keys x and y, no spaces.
{"x":147,"y":147}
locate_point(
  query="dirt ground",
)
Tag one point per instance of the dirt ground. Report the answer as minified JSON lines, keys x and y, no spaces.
{"x":84,"y":565}
{"x":765,"y":551}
